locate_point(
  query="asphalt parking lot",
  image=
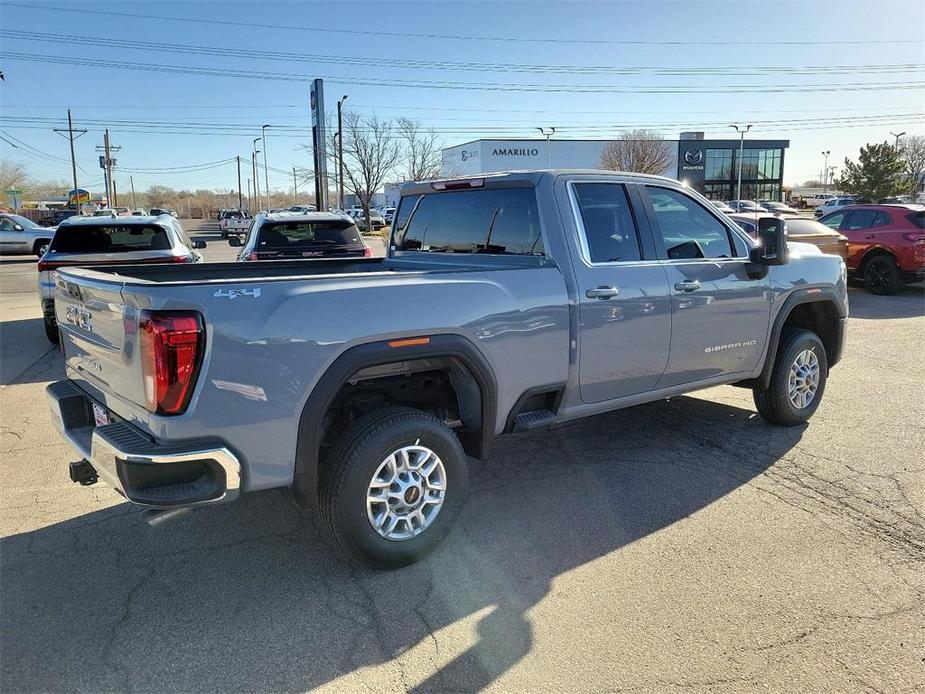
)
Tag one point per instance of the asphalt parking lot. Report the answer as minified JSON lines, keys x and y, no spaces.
{"x":679,"y":546}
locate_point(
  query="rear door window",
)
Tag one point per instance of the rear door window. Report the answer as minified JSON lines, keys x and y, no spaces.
{"x":110,"y":238}
{"x":298,"y":234}
{"x":609,"y":228}
{"x":496,"y":221}
{"x":687,"y":228}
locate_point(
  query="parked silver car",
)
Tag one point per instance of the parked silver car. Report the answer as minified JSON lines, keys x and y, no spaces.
{"x":22,"y":236}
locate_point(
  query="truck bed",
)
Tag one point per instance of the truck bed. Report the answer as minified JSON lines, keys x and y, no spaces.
{"x":235,"y":272}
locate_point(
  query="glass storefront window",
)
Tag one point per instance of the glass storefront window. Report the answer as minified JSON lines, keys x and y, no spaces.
{"x":759,"y":164}
{"x":718,"y":165}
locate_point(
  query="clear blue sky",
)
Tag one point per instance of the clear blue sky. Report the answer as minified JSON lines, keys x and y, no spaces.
{"x":627,"y":35}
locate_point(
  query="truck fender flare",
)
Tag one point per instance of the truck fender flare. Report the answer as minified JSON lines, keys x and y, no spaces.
{"x":311,"y":422}
{"x":796,"y":298}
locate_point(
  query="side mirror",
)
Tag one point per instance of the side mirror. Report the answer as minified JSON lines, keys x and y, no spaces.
{"x":234,"y":241}
{"x":772,"y":237}
{"x":17,"y":227}
{"x":198,"y":243}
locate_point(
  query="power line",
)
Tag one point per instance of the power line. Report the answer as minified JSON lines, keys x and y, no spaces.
{"x":431,"y":64}
{"x":471,"y":86}
{"x":457,"y":37}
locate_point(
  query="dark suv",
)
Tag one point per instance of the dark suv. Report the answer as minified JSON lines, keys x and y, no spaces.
{"x":886,"y":243}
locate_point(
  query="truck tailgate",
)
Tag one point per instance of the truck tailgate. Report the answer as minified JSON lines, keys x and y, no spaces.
{"x":98,"y":335}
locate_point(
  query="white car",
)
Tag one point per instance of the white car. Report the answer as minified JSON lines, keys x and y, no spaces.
{"x":122,"y":211}
{"x":818,"y":199}
{"x":139,"y":213}
{"x":834,"y":204}
{"x":19,"y":235}
{"x":302,"y":209}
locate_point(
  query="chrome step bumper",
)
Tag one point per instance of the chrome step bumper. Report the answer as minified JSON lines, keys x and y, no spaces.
{"x":144,"y":472}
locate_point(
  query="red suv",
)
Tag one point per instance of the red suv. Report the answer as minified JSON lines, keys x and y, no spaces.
{"x":886,"y":243}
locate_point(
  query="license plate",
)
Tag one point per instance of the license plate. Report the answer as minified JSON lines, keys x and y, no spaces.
{"x":100,"y":415}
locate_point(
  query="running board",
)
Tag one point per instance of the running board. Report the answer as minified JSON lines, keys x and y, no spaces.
{"x":537,"y":419}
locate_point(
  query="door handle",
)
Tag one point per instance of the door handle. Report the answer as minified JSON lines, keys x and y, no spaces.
{"x":687,"y":285}
{"x":869,"y":237}
{"x":602,"y":293}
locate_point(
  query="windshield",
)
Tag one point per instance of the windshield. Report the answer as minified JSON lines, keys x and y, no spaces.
{"x":295,"y":234}
{"x":110,"y":238}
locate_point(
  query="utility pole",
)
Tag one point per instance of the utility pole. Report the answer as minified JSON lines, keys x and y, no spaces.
{"x":340,"y":153}
{"x":550,"y":133}
{"x":240,"y":204}
{"x":115,"y":197}
{"x":897,"y":136}
{"x":741,"y":152}
{"x":106,"y":164}
{"x":825,"y":169}
{"x":256,"y":177}
{"x":266,"y":171}
{"x":295,"y":187}
{"x":131,"y":182}
{"x":70,"y":136}
{"x":250,"y":202}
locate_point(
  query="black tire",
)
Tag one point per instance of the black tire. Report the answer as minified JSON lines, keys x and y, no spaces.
{"x":881,"y":276}
{"x":40,"y":247}
{"x":348,"y":469}
{"x":224,"y":234}
{"x":773,"y":403}
{"x":51,"y":330}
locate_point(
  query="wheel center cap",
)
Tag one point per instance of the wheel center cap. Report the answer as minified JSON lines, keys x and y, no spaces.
{"x":412,"y":494}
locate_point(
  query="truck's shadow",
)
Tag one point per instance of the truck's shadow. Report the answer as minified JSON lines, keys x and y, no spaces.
{"x":247,"y":597}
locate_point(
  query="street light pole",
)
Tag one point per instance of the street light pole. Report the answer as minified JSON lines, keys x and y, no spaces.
{"x":825,"y":170}
{"x":550,"y":133}
{"x":897,"y":136}
{"x":266,"y":182}
{"x":741,"y":152}
{"x":340,"y":153}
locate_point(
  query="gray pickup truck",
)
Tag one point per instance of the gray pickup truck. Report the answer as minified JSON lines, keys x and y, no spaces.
{"x":505,"y":303}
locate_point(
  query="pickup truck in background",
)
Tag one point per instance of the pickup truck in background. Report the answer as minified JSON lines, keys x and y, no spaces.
{"x":507,"y":302}
{"x":233,"y":222}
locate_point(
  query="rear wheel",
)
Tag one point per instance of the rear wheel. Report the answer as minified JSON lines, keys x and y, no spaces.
{"x":40,"y":247}
{"x":881,"y":276}
{"x":797,"y":381}
{"x":392,"y":486}
{"x":51,"y":330}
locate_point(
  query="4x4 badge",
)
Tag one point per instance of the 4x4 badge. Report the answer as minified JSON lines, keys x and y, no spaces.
{"x":235,"y":293}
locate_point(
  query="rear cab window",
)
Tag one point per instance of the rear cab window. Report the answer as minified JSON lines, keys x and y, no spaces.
{"x":499,"y":221}
{"x":280,"y":235}
{"x":110,"y":238}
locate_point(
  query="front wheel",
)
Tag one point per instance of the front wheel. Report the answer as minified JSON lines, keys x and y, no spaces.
{"x":40,"y":247}
{"x":797,"y":381}
{"x":392,"y":486}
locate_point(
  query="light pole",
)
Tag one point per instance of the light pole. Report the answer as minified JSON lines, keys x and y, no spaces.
{"x":825,"y":170}
{"x":897,"y":136}
{"x":741,"y":152}
{"x":256,"y":177}
{"x":266,"y":182}
{"x":340,"y":153}
{"x":547,"y":133}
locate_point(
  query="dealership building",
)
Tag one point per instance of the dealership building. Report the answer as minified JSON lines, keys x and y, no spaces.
{"x":709,"y":166}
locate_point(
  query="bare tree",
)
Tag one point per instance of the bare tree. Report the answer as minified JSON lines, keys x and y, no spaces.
{"x":639,"y":151}
{"x":912,"y":149}
{"x":371,"y":153}
{"x":423,"y":156}
{"x":12,"y":175}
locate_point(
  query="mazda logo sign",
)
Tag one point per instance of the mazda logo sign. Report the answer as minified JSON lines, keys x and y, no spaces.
{"x":693,"y":156}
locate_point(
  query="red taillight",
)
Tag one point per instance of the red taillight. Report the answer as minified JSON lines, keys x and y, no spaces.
{"x":916,"y":237}
{"x":367,"y":252}
{"x":251,"y":256}
{"x":171,"y":346}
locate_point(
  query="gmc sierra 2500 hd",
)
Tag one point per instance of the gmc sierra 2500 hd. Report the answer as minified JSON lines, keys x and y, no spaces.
{"x":506,"y":302}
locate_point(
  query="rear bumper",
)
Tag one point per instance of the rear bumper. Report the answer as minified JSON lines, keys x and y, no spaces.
{"x":144,"y":472}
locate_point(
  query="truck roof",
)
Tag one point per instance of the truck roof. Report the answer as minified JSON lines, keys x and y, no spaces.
{"x":526,"y":176}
